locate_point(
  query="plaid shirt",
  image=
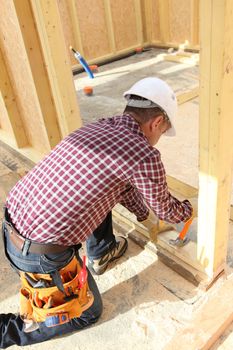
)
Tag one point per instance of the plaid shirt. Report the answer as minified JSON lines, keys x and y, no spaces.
{"x":69,"y":193}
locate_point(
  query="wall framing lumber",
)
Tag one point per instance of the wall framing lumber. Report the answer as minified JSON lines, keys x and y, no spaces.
{"x":40,"y":77}
{"x":182,"y":260}
{"x":164,"y":20}
{"x":152,"y":23}
{"x":139,"y":25}
{"x":21,"y":78}
{"x":12,"y":123}
{"x":188,"y":95}
{"x":58,"y":64}
{"x":75,"y":26}
{"x":147,"y":12}
{"x":195,"y":22}
{"x":183,"y":58}
{"x":108,"y":16}
{"x":178,"y":186}
{"x":109,"y":57}
{"x":216,"y":142}
{"x":37,"y":100}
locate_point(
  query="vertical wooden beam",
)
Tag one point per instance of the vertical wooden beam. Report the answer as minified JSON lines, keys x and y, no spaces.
{"x":21,"y":78}
{"x":109,"y":24}
{"x":216,"y":141}
{"x":138,"y":14}
{"x":8,"y":102}
{"x":75,"y":26}
{"x":164,"y":20}
{"x":49,"y":28}
{"x":195,"y":22}
{"x":40,"y":76}
{"x":148,"y":20}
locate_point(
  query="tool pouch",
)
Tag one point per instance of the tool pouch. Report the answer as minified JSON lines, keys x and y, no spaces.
{"x":48,"y":304}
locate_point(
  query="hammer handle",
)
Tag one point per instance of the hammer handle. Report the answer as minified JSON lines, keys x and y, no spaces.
{"x":184,"y":231}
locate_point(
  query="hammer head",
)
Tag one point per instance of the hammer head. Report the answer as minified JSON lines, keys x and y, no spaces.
{"x":178,"y":242}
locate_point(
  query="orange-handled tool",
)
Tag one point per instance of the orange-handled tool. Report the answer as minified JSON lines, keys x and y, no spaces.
{"x":181,"y":240}
{"x":184,"y":231}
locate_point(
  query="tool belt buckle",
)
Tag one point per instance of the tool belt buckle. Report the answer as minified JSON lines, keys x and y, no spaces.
{"x":53,"y":320}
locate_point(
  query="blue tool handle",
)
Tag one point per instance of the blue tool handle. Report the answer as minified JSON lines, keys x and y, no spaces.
{"x":84,"y":64}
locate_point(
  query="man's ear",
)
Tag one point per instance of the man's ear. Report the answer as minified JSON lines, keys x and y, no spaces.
{"x":157,"y":121}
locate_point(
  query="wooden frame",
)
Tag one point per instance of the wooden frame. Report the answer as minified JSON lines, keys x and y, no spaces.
{"x":75,"y":25}
{"x":55,"y":54}
{"x":165,"y":40}
{"x":108,"y":16}
{"x":164,"y":21}
{"x":40,"y":78}
{"x":208,"y":255}
{"x":9,"y":106}
{"x":38,"y":104}
{"x":216,"y":142}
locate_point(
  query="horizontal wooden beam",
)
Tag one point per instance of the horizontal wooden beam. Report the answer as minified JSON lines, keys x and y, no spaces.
{"x":179,"y":58}
{"x":187,"y":95}
{"x":181,"y":187}
{"x":182,"y":260}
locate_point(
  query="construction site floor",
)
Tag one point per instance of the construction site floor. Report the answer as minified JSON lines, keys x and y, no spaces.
{"x":146,"y":304}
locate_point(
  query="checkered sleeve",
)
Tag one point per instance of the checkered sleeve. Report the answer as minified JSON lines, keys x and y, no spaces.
{"x":132,"y":200}
{"x":150,"y":180}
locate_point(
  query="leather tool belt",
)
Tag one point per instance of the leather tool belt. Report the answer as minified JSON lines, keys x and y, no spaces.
{"x":33,"y":247}
{"x":41,"y":301}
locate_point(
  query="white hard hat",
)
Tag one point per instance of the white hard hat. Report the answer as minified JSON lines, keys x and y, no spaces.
{"x":160,"y":93}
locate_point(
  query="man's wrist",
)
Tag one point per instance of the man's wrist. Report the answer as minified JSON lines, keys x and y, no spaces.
{"x":144,"y":216}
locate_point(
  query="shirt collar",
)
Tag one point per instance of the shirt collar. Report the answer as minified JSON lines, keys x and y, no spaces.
{"x":128,"y":120}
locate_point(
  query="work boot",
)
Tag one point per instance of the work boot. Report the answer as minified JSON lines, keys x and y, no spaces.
{"x":98,"y":266}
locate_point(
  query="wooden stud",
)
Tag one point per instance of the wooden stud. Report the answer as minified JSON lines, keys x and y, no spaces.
{"x":57,"y":61}
{"x":75,"y":26}
{"x":40,"y":76}
{"x":164,"y":20}
{"x":109,"y":24}
{"x":138,"y":14}
{"x":8,"y":102}
{"x":21,"y":77}
{"x":194,"y":22}
{"x":147,"y":13}
{"x":216,"y":141}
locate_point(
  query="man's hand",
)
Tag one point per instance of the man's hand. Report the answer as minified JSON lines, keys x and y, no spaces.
{"x":194,"y":203}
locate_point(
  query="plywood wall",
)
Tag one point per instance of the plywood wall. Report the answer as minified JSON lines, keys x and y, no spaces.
{"x":174,"y":22}
{"x":103,"y":29}
{"x":38,"y":104}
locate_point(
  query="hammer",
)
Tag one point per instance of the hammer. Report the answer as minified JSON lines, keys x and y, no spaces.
{"x":182,"y":240}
